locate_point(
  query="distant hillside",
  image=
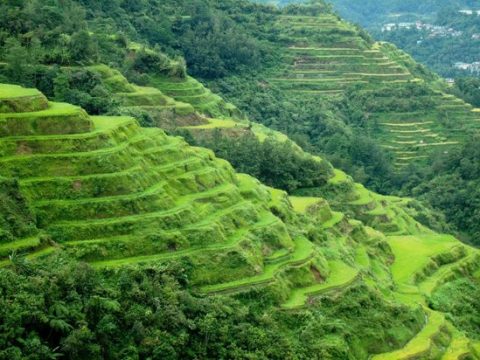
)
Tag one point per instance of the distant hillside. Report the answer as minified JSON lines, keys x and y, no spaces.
{"x":446,"y":40}
{"x":373,"y":13}
{"x":444,"y":37}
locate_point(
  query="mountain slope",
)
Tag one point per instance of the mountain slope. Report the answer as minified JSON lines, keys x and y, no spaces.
{"x":153,"y":224}
{"x":326,"y":58}
{"x":108,"y":192}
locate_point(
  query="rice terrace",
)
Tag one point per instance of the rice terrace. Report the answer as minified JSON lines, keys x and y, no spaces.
{"x":203,"y":179}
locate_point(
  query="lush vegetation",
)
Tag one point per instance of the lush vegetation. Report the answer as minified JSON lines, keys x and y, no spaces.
{"x":372,"y":13}
{"x":15,"y":218}
{"x":316,"y":127}
{"x":468,"y":89}
{"x":440,"y":50}
{"x":458,"y":299}
{"x":67,"y":310}
{"x":119,"y":240}
{"x":205,"y":34}
{"x":58,"y":307}
{"x":274,"y":163}
{"x":452,"y":186}
{"x":374,"y":131}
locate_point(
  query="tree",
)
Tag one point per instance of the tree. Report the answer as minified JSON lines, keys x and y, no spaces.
{"x":82,"y":48}
{"x":61,"y":87}
{"x":16,"y":57}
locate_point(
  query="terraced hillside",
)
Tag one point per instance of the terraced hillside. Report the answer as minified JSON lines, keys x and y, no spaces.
{"x":106,"y":191}
{"x":384,"y":213}
{"x":414,"y":121}
{"x":436,"y":260}
{"x":355,"y":199}
{"x":405,"y":105}
{"x":170,"y":101}
{"x":423,"y":262}
{"x":111,"y":192}
{"x":165,"y":110}
{"x":191,"y":91}
{"x":390,"y":215}
{"x":325,"y":55}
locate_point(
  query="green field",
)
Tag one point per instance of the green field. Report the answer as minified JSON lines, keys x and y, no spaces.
{"x":304,"y":251}
{"x":341,"y":275}
{"x":420,"y":346}
{"x":302,"y":204}
{"x":412,"y":253}
{"x":131,"y":234}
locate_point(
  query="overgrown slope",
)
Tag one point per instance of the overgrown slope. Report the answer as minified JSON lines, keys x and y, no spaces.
{"x":108,"y":192}
{"x":122,"y":241}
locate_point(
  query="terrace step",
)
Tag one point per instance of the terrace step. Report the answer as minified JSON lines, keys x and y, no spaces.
{"x":58,"y":118}
{"x":265,"y":220}
{"x":19,"y":245}
{"x":459,"y":347}
{"x":111,"y":159}
{"x":16,"y":99}
{"x":337,"y":218}
{"x":448,"y":271}
{"x":107,"y":133}
{"x":174,"y":218}
{"x":135,"y":179}
{"x":422,"y":344}
{"x":304,"y":251}
{"x":340,"y":277}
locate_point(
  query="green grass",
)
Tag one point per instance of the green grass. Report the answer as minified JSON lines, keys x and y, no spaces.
{"x":41,"y":253}
{"x":477,"y":274}
{"x":459,"y":346}
{"x":217,"y":124}
{"x":341,"y":275}
{"x":421,"y":343}
{"x":8,"y":91}
{"x":445,"y":272}
{"x":413,"y":252}
{"x":278,"y":256}
{"x":378,"y":211}
{"x":304,"y":250}
{"x":339,"y":177}
{"x":476,"y":348}
{"x":105,"y":123}
{"x":54,"y":109}
{"x":102,"y":125}
{"x":336,"y":218}
{"x":362,"y":258}
{"x":215,"y":248}
{"x":19,"y":244}
{"x":301,"y":204}
{"x":364,"y":196}
{"x":191,"y":91}
{"x":262,"y":133}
